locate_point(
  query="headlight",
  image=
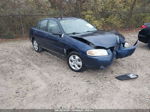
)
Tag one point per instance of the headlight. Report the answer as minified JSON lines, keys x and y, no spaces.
{"x":97,"y":52}
{"x":126,"y":45}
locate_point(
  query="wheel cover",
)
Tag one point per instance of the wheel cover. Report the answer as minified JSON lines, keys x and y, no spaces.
{"x":75,"y":62}
{"x":35,"y":45}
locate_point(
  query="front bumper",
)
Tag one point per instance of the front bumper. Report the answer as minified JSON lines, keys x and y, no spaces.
{"x":104,"y":61}
{"x":125,"y":52}
{"x":99,"y":61}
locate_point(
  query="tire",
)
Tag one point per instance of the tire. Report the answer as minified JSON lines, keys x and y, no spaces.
{"x":36,"y":46}
{"x":75,"y":62}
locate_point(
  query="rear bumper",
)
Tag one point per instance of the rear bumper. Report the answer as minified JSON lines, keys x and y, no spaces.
{"x":105,"y":61}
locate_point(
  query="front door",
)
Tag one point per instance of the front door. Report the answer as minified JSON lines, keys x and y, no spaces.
{"x":54,"y":40}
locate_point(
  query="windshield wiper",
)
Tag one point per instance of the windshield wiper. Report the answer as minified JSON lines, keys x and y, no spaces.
{"x":92,"y":31}
{"x":74,"y":33}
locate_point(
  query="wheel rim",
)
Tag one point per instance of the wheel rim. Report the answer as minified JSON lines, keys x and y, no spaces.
{"x":75,"y":62}
{"x":35,"y":45}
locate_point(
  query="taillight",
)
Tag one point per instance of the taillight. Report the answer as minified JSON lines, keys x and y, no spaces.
{"x":143,"y":26}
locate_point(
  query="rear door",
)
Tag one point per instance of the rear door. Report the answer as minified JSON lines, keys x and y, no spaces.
{"x":41,"y":33}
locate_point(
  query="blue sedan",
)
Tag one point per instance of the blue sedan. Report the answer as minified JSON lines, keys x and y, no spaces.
{"x":82,"y":44}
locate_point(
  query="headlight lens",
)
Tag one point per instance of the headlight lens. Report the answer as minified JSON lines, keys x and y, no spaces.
{"x":97,"y":52}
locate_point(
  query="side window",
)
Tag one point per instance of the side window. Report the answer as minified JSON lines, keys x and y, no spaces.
{"x":43,"y":25}
{"x":53,"y":27}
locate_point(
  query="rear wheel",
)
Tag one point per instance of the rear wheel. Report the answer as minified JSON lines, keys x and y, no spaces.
{"x":75,"y":62}
{"x":36,"y":46}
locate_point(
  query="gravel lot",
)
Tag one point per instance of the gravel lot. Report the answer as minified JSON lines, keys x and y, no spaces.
{"x":29,"y":80}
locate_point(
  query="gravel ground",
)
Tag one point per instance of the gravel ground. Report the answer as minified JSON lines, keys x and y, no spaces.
{"x":29,"y":80}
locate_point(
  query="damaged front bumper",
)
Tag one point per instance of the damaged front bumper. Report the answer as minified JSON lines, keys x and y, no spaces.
{"x":125,"y":52}
{"x":104,"y":61}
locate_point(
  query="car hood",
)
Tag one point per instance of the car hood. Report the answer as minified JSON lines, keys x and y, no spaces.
{"x":100,"y":38}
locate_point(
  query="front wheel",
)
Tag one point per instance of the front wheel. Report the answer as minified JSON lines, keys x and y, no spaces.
{"x":75,"y":62}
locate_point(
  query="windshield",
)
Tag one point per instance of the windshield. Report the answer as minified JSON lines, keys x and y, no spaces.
{"x":76,"y":26}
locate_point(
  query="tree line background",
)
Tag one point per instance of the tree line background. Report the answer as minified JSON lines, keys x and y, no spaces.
{"x":18,"y":16}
